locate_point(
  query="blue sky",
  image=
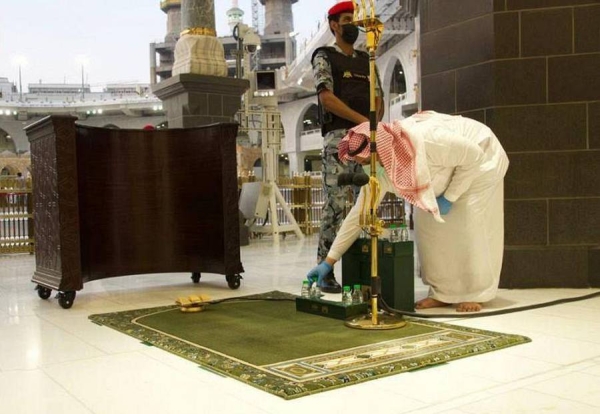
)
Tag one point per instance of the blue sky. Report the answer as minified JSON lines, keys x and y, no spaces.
{"x":112,"y":36}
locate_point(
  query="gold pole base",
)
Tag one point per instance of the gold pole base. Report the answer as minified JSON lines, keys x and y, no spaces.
{"x":384,"y":321}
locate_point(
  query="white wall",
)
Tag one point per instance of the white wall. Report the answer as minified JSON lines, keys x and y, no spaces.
{"x":406,"y":52}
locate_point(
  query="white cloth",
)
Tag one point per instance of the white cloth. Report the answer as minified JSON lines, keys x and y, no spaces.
{"x":460,"y":259}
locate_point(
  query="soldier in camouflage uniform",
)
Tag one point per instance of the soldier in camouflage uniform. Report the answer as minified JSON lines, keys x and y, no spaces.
{"x":342,"y":81}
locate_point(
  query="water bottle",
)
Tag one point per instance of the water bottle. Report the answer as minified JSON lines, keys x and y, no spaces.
{"x":357,"y":296}
{"x":305,"y":292}
{"x":403,"y":233}
{"x":346,"y":296}
{"x":315,"y":291}
{"x":394,"y":234}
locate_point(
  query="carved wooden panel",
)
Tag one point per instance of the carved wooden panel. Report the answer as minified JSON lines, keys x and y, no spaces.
{"x":55,"y":203}
{"x":119,"y":202}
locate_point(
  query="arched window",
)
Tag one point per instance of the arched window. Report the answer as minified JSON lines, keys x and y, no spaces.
{"x":313,"y":162}
{"x":310,"y":120}
{"x":284,"y":165}
{"x":258,"y":169}
{"x":6,"y":142}
{"x":398,"y":83}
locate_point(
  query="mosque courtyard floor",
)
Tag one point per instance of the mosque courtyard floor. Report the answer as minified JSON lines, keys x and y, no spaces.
{"x":54,"y":360}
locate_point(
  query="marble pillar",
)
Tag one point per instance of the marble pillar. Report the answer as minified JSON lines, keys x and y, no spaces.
{"x":198,"y":50}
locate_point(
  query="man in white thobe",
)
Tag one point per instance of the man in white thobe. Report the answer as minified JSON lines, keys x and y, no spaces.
{"x":450,"y":167}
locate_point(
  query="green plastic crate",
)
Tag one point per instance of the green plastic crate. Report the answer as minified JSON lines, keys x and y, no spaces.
{"x":395,"y":268}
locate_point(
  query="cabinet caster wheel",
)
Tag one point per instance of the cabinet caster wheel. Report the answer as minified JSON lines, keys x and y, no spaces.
{"x":43,"y":292}
{"x":233,"y":281}
{"x":66,"y":299}
{"x":196,"y":277}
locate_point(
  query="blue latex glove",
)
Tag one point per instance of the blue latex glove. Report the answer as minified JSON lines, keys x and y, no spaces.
{"x":317,"y":273}
{"x":444,"y":205}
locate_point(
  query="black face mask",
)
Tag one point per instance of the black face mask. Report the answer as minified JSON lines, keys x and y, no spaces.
{"x":349,"y":33}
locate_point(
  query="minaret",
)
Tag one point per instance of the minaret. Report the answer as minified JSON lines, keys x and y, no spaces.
{"x":278,"y":16}
{"x":173,"y":10}
{"x":235,"y":15}
{"x":162,"y":69}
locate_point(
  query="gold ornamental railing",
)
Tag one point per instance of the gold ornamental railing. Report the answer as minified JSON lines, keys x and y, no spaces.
{"x":16,"y":216}
{"x":305,"y":197}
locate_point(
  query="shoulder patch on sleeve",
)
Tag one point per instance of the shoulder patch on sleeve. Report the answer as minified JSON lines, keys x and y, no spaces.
{"x":325,"y":49}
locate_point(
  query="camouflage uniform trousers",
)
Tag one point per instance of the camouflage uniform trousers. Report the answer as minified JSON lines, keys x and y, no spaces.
{"x":335,"y":196}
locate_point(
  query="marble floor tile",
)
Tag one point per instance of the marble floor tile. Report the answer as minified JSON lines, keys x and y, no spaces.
{"x":74,"y":366}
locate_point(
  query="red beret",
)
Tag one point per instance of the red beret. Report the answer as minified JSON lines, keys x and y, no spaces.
{"x":148,"y":127}
{"x":341,"y":7}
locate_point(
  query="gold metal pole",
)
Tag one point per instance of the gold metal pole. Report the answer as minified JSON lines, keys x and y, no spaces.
{"x":377,"y":320}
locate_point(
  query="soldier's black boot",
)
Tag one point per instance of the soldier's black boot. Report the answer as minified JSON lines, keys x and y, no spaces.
{"x":330,"y":285}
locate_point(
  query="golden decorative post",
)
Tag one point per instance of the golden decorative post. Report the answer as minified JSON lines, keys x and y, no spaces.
{"x":365,"y":17}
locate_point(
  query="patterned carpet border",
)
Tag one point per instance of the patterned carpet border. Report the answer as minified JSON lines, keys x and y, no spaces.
{"x":293,"y":379}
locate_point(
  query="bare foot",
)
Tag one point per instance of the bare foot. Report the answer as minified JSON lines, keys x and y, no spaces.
{"x":429,"y":303}
{"x":468,"y":307}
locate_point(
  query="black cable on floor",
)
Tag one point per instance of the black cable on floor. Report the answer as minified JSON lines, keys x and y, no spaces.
{"x":244,"y":298}
{"x":387,"y":308}
{"x":458,"y":315}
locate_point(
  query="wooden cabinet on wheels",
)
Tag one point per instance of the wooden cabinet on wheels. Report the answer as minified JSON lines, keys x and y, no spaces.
{"x":115,"y":202}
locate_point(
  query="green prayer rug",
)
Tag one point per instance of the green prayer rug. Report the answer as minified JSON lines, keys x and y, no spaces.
{"x":263,"y":341}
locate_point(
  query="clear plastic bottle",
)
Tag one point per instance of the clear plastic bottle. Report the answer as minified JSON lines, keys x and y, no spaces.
{"x":357,"y":296}
{"x":346,"y":296}
{"x":305,"y":292}
{"x":315,"y":291}
{"x":394,"y":234}
{"x":404,"y":233}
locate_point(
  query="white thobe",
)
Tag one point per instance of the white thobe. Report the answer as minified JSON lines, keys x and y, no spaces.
{"x":460,"y":259}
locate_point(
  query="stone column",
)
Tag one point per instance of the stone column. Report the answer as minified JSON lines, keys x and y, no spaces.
{"x":199,"y":92}
{"x":198,"y":50}
{"x":296,"y":162}
{"x":528,"y":69}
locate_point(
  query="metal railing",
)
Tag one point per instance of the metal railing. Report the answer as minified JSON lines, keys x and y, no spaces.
{"x":16,"y":216}
{"x":305,"y":198}
{"x":311,"y":131}
{"x":398,"y":98}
